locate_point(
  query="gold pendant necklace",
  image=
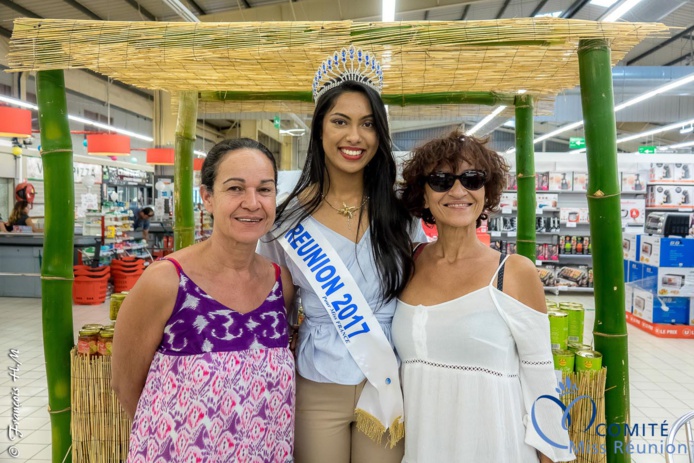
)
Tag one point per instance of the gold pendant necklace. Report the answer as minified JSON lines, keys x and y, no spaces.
{"x":347,"y":211}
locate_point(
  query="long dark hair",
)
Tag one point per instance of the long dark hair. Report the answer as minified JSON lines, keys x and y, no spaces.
{"x":389,"y":221}
{"x":18,"y":211}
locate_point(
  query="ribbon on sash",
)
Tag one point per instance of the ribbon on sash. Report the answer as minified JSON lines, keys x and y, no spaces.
{"x":380,"y":406}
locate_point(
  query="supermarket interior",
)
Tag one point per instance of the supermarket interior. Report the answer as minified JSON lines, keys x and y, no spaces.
{"x":620,"y":269}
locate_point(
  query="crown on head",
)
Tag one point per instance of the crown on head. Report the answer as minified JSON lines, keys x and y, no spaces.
{"x":349,"y":64}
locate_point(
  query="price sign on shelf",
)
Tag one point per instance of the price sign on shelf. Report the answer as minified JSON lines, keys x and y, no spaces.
{"x":511,"y":234}
{"x":506,"y":210}
{"x":570,"y":224}
{"x":496,"y":234}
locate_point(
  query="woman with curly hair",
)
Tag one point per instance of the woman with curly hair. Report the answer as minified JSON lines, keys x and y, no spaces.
{"x":471,"y":327}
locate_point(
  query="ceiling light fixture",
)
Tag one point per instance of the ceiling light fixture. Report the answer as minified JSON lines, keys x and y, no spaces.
{"x":647,"y":133}
{"x":689,"y":129}
{"x":486,"y":120}
{"x":621,"y":10}
{"x":678,"y":145}
{"x":388,"y":10}
{"x":603,"y":3}
{"x":100,"y":125}
{"x":657,"y":91}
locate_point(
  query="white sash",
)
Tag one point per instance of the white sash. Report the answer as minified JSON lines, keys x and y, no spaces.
{"x":380,"y":405}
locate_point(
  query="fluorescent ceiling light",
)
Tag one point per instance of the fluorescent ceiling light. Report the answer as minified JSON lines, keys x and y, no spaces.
{"x":662,"y":89}
{"x":674,"y":84}
{"x":648,"y":133}
{"x":388,"y":10}
{"x":510,"y":123}
{"x":200,"y":153}
{"x":689,"y":129}
{"x":553,"y":14}
{"x":486,"y":120}
{"x":24,"y":104}
{"x":621,"y":10}
{"x":678,"y":145}
{"x":603,"y":3}
{"x":521,"y":91}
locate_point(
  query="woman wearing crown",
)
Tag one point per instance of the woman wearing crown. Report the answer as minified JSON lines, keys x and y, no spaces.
{"x":346,"y":240}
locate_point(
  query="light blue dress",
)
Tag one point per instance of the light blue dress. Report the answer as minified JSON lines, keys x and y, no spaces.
{"x":321,"y":355}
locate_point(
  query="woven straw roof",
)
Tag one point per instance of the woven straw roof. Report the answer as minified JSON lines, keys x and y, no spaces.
{"x":419,"y":57}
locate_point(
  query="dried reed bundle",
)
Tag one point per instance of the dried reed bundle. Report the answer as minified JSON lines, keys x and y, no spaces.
{"x":591,"y":384}
{"x":100,"y":426}
{"x":535,"y":54}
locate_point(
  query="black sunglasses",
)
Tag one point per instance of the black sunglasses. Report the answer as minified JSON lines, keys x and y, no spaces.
{"x":443,"y":181}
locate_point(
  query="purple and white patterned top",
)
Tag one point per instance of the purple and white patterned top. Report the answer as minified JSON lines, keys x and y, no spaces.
{"x":221,"y":384}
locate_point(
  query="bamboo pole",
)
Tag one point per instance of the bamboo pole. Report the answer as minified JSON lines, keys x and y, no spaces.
{"x":610,"y":332}
{"x":56,"y":270}
{"x":525,"y":173}
{"x":184,"y":225}
{"x":473,"y":98}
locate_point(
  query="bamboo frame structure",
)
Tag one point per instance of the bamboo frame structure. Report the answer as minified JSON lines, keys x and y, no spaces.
{"x":56,"y":269}
{"x":610,"y":330}
{"x":184,"y":226}
{"x":525,"y":173}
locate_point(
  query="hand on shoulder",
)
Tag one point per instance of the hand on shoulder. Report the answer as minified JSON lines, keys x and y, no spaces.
{"x":522,"y":282}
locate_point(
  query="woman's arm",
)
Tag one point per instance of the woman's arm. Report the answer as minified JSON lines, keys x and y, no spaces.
{"x":34,"y":228}
{"x":522,"y":282}
{"x":140,"y":327}
{"x":287,"y":288}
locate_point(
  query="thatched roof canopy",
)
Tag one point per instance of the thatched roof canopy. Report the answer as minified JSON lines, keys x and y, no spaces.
{"x":422,"y":57}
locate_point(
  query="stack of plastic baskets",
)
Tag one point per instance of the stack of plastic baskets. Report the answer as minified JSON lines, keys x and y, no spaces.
{"x":126,"y":272}
{"x":90,"y":285}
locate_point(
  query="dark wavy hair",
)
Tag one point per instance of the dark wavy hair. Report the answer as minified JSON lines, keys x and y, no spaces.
{"x":450,"y":151}
{"x":219,"y":151}
{"x":17,"y":211}
{"x":389,"y":221}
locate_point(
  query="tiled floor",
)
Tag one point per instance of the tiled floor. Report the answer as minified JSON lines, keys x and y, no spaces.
{"x":661,"y":370}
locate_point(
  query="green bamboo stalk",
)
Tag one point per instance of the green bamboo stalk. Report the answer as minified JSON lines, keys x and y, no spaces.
{"x":56,"y":269}
{"x":610,"y":331}
{"x":396,"y":99}
{"x":184,"y":225}
{"x":525,"y":173}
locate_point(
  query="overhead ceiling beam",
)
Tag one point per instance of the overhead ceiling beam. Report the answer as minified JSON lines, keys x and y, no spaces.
{"x":19,"y":9}
{"x":661,"y":45}
{"x":465,"y":12}
{"x":575,"y":7}
{"x":245,"y":2}
{"x":141,"y":9}
{"x":83,"y":9}
{"x":5,"y":32}
{"x":680,"y":59}
{"x":503,"y":9}
{"x":538,"y":8}
{"x":322,"y":10}
{"x":194,"y":4}
{"x":426,"y":15}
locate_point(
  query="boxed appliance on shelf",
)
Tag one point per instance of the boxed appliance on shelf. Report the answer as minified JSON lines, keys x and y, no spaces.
{"x":684,"y":196}
{"x":635,"y":274}
{"x":630,"y":246}
{"x":546,"y":251}
{"x":508,"y":200}
{"x":547,"y":224}
{"x":633,"y":214}
{"x":664,"y":310}
{"x":560,"y":181}
{"x":547,"y":275}
{"x":511,"y":181}
{"x":546,"y":200}
{"x":574,"y":245}
{"x":541,"y":181}
{"x":577,"y":276}
{"x":663,"y":196}
{"x":685,"y":172}
{"x":675,"y":281}
{"x":628,"y":298}
{"x":667,"y":252}
{"x":573,"y":215}
{"x":662,"y":172}
{"x":634,"y":181}
{"x":580,"y":182}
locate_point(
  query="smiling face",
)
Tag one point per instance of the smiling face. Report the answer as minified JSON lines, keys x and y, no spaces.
{"x":243,"y":197}
{"x":349,"y":136}
{"x":457,"y":207}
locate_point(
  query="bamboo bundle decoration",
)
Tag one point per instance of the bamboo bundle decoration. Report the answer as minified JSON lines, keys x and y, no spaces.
{"x":587,"y":443}
{"x":418,"y":57}
{"x":100,"y":426}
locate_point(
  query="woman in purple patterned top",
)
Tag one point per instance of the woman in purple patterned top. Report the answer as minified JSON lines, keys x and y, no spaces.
{"x":200,"y":358}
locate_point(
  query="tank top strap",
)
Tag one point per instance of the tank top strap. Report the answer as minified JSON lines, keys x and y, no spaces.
{"x":500,"y":272}
{"x":176,"y":264}
{"x":278,"y":271}
{"x":419,"y":247}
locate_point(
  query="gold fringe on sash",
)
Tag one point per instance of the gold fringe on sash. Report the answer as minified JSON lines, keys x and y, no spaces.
{"x":374,"y":429}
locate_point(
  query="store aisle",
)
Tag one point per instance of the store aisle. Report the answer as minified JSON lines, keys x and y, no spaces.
{"x":662,"y":378}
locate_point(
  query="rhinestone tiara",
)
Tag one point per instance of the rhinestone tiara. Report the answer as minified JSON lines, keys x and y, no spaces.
{"x":349,"y":64}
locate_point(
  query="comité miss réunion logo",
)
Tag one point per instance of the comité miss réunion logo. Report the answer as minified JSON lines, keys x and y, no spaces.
{"x":564,"y":389}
